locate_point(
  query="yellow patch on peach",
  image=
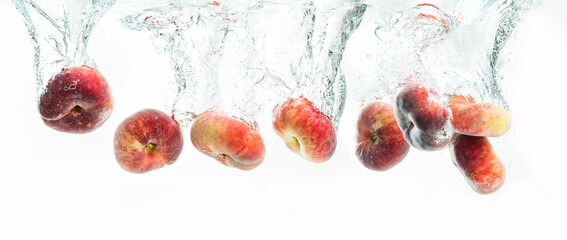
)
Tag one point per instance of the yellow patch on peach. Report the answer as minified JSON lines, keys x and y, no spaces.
{"x":130,"y":140}
{"x":379,"y":124}
{"x":293,"y":144}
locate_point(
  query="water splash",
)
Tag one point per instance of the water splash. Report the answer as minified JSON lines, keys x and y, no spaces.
{"x":60,"y":31}
{"x":278,"y":50}
{"x":291,"y":50}
{"x":470,"y":60}
{"x":457,"y":46}
{"x":401,"y":33}
{"x":193,"y":36}
{"x":512,"y":13}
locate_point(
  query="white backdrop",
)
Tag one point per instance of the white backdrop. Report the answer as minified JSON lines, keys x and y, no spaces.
{"x":61,"y":186}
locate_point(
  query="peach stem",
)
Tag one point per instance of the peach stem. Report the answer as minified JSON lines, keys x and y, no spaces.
{"x":151,"y":147}
{"x":373,"y":136}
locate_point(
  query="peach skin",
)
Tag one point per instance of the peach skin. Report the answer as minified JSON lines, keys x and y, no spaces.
{"x":76,"y":100}
{"x":479,"y":119}
{"x":477,"y":161}
{"x":381,"y":144}
{"x":147,"y":140}
{"x":305,"y":130}
{"x":228,"y":140}
{"x":423,"y":118}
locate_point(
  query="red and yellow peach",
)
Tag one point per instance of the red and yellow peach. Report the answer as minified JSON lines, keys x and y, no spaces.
{"x":477,"y":161}
{"x":147,"y":140}
{"x":423,"y":118}
{"x":76,"y":100}
{"x":479,"y":119}
{"x":305,"y":130}
{"x":228,"y":140}
{"x":381,"y":144}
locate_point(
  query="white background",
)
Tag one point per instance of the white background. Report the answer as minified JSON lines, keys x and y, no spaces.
{"x":61,"y":186}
